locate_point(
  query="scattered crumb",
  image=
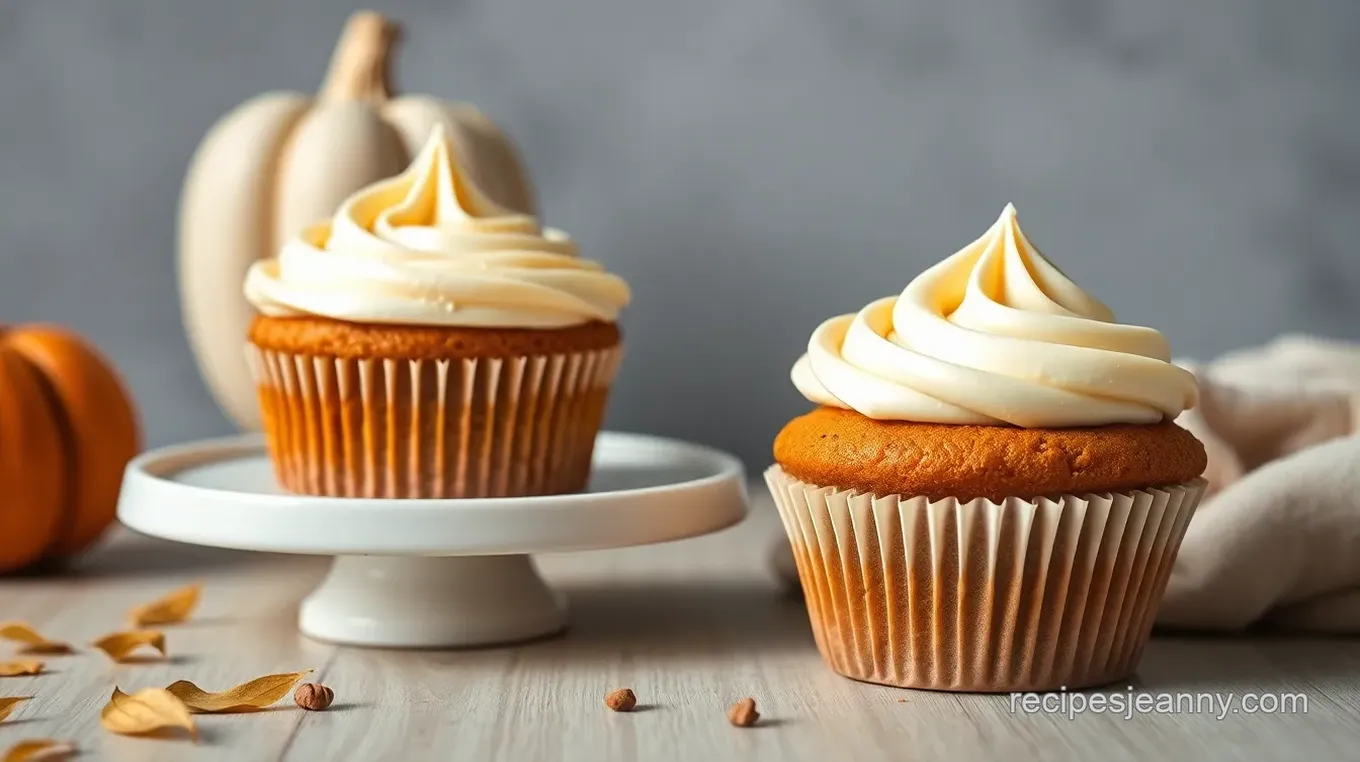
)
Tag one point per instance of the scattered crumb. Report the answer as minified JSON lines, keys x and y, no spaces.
{"x":621,"y":700}
{"x":743,"y":714}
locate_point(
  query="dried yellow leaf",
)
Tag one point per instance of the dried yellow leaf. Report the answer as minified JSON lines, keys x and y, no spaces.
{"x":32,"y":642}
{"x":173,"y":608}
{"x":20,"y":667}
{"x":40,"y":750}
{"x":7,"y":705}
{"x":146,"y":711}
{"x":246,"y":697}
{"x":120,"y":645}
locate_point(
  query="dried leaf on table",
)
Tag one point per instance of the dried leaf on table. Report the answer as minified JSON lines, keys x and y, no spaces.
{"x":31,"y":641}
{"x":256,"y":694}
{"x":20,"y":667}
{"x":7,"y":705}
{"x":120,"y":645}
{"x":172,"y":608}
{"x":40,"y":750}
{"x":146,"y":711}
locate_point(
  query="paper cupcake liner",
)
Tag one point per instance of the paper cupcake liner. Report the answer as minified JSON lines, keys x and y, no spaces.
{"x":1022,"y":595}
{"x":489,"y":427}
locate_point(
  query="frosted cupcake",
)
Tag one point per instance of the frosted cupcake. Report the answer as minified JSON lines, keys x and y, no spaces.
{"x":991,"y":493}
{"x":427,"y":343}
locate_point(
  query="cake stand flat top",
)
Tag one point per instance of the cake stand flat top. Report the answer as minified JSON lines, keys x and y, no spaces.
{"x":223,"y":493}
{"x":690,"y":626}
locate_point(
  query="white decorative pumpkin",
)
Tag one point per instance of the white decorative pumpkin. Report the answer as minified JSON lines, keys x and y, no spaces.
{"x":284,"y":160}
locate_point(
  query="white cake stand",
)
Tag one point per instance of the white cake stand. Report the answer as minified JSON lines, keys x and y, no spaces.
{"x":432,"y":573}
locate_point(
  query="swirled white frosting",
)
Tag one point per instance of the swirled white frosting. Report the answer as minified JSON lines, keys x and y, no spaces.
{"x":994,"y":335}
{"x":428,"y":248}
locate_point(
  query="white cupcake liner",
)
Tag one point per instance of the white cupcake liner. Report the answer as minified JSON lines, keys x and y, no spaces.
{"x":489,"y":427}
{"x":1022,"y":595}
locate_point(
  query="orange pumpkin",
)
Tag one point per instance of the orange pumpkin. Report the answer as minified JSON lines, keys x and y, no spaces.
{"x":67,"y":432}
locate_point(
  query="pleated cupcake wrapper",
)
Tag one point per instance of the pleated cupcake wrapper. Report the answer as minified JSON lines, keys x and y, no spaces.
{"x":1023,"y":595}
{"x":490,"y":427}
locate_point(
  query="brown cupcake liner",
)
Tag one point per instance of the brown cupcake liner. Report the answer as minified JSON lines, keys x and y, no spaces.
{"x":978,"y":596}
{"x":488,"y":427}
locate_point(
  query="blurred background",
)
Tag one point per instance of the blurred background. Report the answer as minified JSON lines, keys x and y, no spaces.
{"x":751,"y":167}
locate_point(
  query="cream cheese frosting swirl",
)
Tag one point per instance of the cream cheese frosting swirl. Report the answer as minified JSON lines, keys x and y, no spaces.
{"x":428,"y":248}
{"x":994,"y":335}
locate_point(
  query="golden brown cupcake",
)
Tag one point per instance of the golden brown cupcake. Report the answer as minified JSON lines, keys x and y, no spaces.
{"x":429,"y":343}
{"x":992,"y":490}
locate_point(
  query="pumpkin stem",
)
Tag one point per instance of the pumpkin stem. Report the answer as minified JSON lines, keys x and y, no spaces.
{"x":361,"y":64}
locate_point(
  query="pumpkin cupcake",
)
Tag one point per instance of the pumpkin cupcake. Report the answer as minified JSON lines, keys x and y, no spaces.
{"x":428,"y":343}
{"x":991,"y":493}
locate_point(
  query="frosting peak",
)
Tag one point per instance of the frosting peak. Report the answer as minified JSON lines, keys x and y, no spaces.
{"x":428,"y":247}
{"x":439,"y":209}
{"x":994,"y":335}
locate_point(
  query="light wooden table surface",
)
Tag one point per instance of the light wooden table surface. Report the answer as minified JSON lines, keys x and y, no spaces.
{"x":690,"y":626}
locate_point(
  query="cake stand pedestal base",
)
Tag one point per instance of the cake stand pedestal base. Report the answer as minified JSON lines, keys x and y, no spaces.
{"x":404,"y":602}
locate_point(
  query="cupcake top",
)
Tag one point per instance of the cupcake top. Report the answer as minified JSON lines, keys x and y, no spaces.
{"x":994,"y":335}
{"x":428,"y":248}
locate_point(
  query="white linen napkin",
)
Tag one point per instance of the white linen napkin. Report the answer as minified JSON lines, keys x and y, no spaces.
{"x":1276,"y":542}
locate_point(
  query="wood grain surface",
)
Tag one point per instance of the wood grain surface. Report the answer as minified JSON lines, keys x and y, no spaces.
{"x":691,"y":627}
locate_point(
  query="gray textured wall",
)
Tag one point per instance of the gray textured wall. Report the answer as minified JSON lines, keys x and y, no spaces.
{"x":751,"y":166}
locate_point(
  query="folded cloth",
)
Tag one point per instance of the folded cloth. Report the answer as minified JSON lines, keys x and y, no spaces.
{"x":1276,"y":542}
